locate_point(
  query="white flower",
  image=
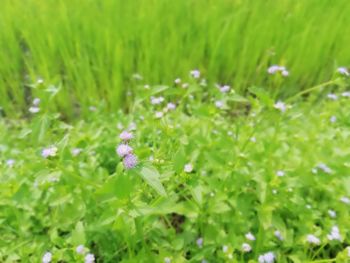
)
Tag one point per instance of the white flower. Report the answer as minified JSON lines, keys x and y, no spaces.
{"x":195,"y":73}
{"x":224,"y":89}
{"x":285,"y":73}
{"x":89,"y":258}
{"x":250,"y":236}
{"x":219,"y":104}
{"x":280,"y":173}
{"x":346,"y":94}
{"x":156,"y":100}
{"x":80,"y":249}
{"x":253,"y":139}
{"x":39,"y":81}
{"x":333,"y":119}
{"x":308,"y":206}
{"x":36,"y":101}
{"x":279,"y":105}
{"x":332,"y":96}
{"x":335,"y":234}
{"x":47,"y":257}
{"x":273,"y":69}
{"x":171,"y":106}
{"x":185,"y":85}
{"x":278,"y":235}
{"x":146,"y":86}
{"x":49,"y":152}
{"x":177,"y":81}
{"x":268,"y":257}
{"x":126,"y":136}
{"x":323,"y":167}
{"x":188,"y":168}
{"x":345,"y":200}
{"x":246,"y":247}
{"x":332,"y":213}
{"x":313,"y":239}
{"x":159,"y":114}
{"x":123,"y":150}
{"x":76,"y":151}
{"x":92,"y":108}
{"x":224,"y":249}
{"x":10,"y":162}
{"x":34,"y":109}
{"x":343,"y":71}
{"x":167,"y":260}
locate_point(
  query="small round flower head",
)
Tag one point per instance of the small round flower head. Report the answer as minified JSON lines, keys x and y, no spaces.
{"x":146,"y":86}
{"x":246,"y":247}
{"x":10,"y":162}
{"x":177,"y":81}
{"x":80,"y":249}
{"x":195,"y":73}
{"x":253,"y":139}
{"x":130,"y":161}
{"x":278,"y":235}
{"x":167,"y":260}
{"x":332,"y":213}
{"x":346,"y":94}
{"x":123,"y":150}
{"x":273,"y":69}
{"x":333,"y":119}
{"x":76,"y":151}
{"x":274,"y":191}
{"x":34,"y":109}
{"x":47,"y":257}
{"x":36,"y":101}
{"x":156,"y":100}
{"x":280,"y":173}
{"x":39,"y":81}
{"x":159,"y":114}
{"x":313,"y":239}
{"x":250,"y":236}
{"x":268,"y":257}
{"x":171,"y":106}
{"x":219,"y":104}
{"x":49,"y":152}
{"x":184,"y":85}
{"x":126,"y":136}
{"x":224,"y":89}
{"x":89,"y":258}
{"x":199,"y":242}
{"x":279,"y":105}
{"x":343,"y":71}
{"x":334,"y":234}
{"x":332,"y":96}
{"x":285,"y":73}
{"x":188,"y":168}
{"x":324,"y":168}
{"x":345,"y":200}
{"x":224,"y":249}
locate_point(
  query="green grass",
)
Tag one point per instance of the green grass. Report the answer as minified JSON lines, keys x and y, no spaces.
{"x":92,"y":48}
{"x":158,"y":210}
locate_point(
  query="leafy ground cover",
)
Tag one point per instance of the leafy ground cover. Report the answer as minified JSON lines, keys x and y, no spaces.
{"x":90,"y":49}
{"x":219,"y":177}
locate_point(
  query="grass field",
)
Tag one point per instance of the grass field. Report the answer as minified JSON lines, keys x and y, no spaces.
{"x":174,"y":132}
{"x":91,"y":49}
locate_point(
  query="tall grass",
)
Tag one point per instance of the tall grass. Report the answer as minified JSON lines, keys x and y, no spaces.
{"x":92,"y":48}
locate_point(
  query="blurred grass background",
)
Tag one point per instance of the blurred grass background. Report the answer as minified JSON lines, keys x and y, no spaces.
{"x":91,"y":48}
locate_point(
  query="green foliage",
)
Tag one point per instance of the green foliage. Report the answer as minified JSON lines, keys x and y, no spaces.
{"x":203,"y":172}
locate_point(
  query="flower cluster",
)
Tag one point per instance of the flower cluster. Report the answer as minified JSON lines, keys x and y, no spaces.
{"x":275,"y":69}
{"x":35,"y":106}
{"x":125,"y":151}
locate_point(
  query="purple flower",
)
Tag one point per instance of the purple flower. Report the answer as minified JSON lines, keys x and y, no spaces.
{"x":36,"y":101}
{"x":123,"y":150}
{"x":171,"y":106}
{"x":343,"y":71}
{"x":49,"y":152}
{"x":10,"y":162}
{"x":199,"y":242}
{"x":126,"y":136}
{"x":195,"y":73}
{"x":34,"y":109}
{"x":130,"y":161}
{"x":89,"y":258}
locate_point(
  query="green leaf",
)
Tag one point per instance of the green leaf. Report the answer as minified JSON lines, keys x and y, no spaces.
{"x":152,"y":177}
{"x":78,"y":234}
